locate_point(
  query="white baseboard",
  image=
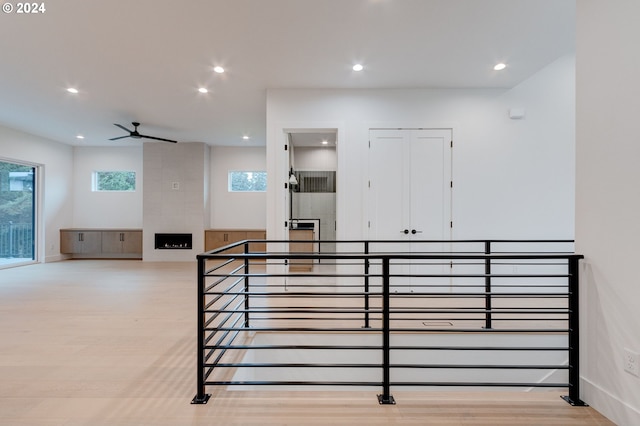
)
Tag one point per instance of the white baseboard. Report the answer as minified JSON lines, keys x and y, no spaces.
{"x":609,"y":405}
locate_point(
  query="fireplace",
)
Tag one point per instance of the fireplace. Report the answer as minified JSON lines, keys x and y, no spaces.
{"x":174,"y":242}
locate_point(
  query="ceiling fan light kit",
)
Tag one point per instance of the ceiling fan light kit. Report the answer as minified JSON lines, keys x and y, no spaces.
{"x":136,"y":135}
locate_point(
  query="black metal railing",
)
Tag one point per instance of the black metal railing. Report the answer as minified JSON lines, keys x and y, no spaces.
{"x":473,"y":313}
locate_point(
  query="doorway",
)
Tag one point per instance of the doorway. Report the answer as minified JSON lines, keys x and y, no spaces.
{"x":410,"y":186}
{"x":313,"y":167}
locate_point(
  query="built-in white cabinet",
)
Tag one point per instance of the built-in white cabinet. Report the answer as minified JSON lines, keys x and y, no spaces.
{"x":102,"y":243}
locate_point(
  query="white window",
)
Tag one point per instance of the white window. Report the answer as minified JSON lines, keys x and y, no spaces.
{"x":247,"y":181}
{"x":114,"y":180}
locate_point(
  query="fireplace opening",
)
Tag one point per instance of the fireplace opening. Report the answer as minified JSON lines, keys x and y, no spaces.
{"x":174,"y":242}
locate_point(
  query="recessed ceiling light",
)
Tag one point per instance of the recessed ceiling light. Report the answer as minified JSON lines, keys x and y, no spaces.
{"x":72,"y":90}
{"x":500,"y":66}
{"x":218,"y":69}
{"x":203,"y":90}
{"x":358,"y":67}
{"x":79,"y":137}
{"x":245,"y":137}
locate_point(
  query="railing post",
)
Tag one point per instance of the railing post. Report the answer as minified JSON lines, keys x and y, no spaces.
{"x":574,"y":334}
{"x":366,"y":286}
{"x":246,"y":285}
{"x":385,"y":397}
{"x":10,"y":239}
{"x":487,"y":285}
{"x":201,"y":397}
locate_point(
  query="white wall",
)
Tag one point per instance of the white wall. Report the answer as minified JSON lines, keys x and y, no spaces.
{"x":236,"y":210}
{"x":512,"y":178}
{"x":608,"y":202}
{"x":315,"y":158}
{"x":56,"y":203}
{"x":106,"y":209}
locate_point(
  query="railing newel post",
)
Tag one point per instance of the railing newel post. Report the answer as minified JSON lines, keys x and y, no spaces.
{"x":574,"y":333}
{"x":487,"y":284}
{"x":366,"y":286}
{"x":246,"y":285}
{"x":385,"y":397}
{"x":201,"y":397}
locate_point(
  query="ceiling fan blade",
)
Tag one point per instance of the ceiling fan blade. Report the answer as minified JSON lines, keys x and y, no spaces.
{"x":122,"y":127}
{"x":119,"y":137}
{"x":158,"y":139}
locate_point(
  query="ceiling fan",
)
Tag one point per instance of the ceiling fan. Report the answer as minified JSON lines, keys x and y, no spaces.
{"x":134,"y":134}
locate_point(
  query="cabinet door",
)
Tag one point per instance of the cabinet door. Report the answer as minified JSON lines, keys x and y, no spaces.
{"x":122,"y":242}
{"x":90,"y":242}
{"x":111,"y":242}
{"x":131,"y":242}
{"x":83,"y":242}
{"x":68,"y":242}
{"x":214,"y":239}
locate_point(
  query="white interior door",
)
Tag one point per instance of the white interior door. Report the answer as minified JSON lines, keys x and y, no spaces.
{"x":410,"y":197}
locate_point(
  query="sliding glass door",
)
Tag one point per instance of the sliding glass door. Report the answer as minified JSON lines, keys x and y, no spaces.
{"x":17,"y":213}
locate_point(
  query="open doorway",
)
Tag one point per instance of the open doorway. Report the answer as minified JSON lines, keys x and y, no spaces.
{"x":313,"y":165}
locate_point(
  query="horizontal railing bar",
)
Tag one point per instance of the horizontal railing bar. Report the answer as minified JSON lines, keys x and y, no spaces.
{"x":301,"y":347}
{"x":412,"y":330}
{"x":294,"y":365}
{"x":299,"y":329}
{"x":399,"y":366}
{"x":390,"y":256}
{"x":311,"y":275}
{"x":321,"y":295}
{"x":392,"y":347}
{"x":222,"y":265}
{"x":377,"y":384}
{"x":299,"y":310}
{"x":288,"y":383}
{"x":485,"y":384}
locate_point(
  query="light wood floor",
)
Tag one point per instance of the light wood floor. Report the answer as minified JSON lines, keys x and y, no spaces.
{"x":90,"y":342}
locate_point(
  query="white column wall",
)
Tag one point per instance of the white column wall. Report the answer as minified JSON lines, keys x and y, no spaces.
{"x":608,"y":202}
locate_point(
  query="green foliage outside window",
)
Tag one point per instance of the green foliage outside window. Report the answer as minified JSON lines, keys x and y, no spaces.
{"x":115,"y":181}
{"x":16,"y":193}
{"x":247,"y":181}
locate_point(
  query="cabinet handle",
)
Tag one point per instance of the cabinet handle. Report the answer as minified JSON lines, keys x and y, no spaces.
{"x":122,"y":236}
{"x":81,"y":236}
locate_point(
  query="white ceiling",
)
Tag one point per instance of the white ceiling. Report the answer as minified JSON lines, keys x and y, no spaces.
{"x":143,"y":60}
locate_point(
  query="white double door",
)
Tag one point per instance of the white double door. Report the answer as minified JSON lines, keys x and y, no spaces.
{"x":410,"y":188}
